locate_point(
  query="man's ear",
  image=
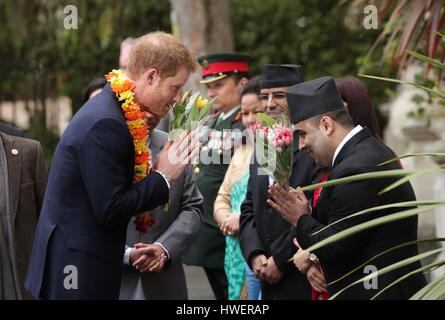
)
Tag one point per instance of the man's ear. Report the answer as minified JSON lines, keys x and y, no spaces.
{"x":241,"y":83}
{"x":327,"y":125}
{"x":150,"y":75}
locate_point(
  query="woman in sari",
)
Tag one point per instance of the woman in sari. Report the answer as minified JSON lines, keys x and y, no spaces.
{"x":230,"y":196}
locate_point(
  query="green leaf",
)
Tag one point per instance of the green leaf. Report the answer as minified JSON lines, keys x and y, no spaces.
{"x":435,"y":293}
{"x":367,"y":175}
{"x":399,"y":182}
{"x":387,"y":206}
{"x":370,"y":224}
{"x":266,"y":120}
{"x":415,"y":242}
{"x":426,"y":268}
{"x":426,"y":59}
{"x":193,"y":110}
{"x":424,"y":293}
{"x":433,"y":154}
{"x":193,"y":105}
{"x":435,"y":92}
{"x":389,"y":268}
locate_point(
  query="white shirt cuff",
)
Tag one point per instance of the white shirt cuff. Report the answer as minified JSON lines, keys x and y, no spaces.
{"x":165,"y":178}
{"x":166,"y":251}
{"x":127,"y":256}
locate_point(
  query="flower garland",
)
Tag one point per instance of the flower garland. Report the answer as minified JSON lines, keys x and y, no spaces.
{"x":136,"y":120}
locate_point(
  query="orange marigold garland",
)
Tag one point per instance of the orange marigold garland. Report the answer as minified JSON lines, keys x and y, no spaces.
{"x":137,"y":123}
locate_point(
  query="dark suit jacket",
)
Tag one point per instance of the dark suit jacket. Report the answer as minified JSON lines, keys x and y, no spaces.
{"x":27,"y":181}
{"x":208,"y":249}
{"x":359,"y":155}
{"x":89,"y":201}
{"x":175,"y":229}
{"x":263,"y":230}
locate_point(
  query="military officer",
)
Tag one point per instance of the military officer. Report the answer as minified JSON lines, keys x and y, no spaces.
{"x":224,"y":75}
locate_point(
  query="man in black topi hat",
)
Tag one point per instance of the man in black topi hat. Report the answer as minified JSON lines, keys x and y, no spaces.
{"x":265,"y":238}
{"x":328,"y":134}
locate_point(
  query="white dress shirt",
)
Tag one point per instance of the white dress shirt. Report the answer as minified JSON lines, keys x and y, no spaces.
{"x":348,"y":137}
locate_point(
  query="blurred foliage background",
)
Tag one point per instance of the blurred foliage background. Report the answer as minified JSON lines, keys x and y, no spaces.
{"x":41,"y":59}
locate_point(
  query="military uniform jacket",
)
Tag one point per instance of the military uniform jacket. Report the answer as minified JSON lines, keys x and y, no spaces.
{"x":209,"y":248}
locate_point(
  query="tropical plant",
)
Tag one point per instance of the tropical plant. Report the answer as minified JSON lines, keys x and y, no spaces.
{"x":410,"y":26}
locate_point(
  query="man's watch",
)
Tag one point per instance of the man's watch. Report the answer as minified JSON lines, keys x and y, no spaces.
{"x":313,"y":258}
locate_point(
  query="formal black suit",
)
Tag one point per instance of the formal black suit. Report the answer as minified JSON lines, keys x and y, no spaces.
{"x":79,"y":242}
{"x":361,"y":154}
{"x":262,"y":230}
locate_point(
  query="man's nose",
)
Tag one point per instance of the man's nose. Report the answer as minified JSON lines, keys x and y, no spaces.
{"x":270,"y":102}
{"x":301,"y":144}
{"x":177,"y":97}
{"x":210,"y":93}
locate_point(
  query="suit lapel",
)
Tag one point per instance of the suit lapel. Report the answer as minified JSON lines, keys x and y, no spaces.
{"x":13,"y":154}
{"x":323,"y":203}
{"x":349,"y":146}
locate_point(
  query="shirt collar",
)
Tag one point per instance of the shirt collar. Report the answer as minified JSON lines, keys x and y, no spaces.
{"x":223,"y":116}
{"x":348,"y":137}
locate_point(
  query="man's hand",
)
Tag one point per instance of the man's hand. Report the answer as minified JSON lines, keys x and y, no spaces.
{"x":230,"y":225}
{"x":148,"y":257}
{"x":174,"y":157}
{"x":316,"y":278}
{"x":258,"y":262}
{"x":270,"y":272}
{"x":301,"y":258}
{"x":290,"y":205}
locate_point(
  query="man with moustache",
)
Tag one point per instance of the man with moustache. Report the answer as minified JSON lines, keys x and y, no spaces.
{"x":266,"y":238}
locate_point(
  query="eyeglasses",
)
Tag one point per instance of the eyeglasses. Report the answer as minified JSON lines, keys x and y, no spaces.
{"x":275,"y":96}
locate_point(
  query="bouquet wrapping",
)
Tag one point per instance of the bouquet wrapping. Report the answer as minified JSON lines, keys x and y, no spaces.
{"x":274,"y":147}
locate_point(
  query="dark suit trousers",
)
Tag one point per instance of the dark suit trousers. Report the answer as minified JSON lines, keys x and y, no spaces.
{"x":218,"y":282}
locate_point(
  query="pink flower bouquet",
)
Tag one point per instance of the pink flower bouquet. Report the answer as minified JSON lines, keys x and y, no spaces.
{"x":274,"y":148}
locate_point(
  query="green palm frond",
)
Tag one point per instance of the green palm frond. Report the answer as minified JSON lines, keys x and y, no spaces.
{"x":435,"y":92}
{"x":426,"y":268}
{"x":387,"y":206}
{"x":389,"y":268}
{"x":370,"y":224}
{"x":432,"y":154}
{"x":370,"y":175}
{"x":406,"y":244}
{"x":421,"y":57}
{"x":431,"y":290}
{"x":401,"y":181}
